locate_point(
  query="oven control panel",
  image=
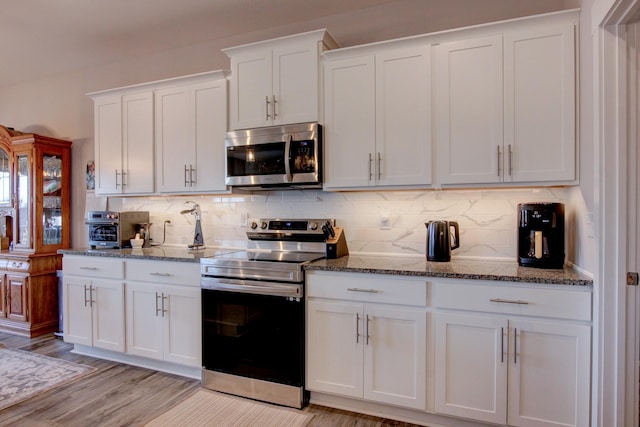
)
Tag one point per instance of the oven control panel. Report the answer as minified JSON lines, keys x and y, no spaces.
{"x":301,"y":227}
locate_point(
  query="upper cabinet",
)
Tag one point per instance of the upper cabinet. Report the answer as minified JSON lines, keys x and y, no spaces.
{"x":191,"y":123}
{"x":505,"y":104}
{"x":155,"y":137}
{"x":377,"y":117}
{"x":124,"y":143}
{"x":277,"y":81}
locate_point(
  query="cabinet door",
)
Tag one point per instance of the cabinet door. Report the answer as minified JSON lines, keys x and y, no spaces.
{"x":403,"y":117}
{"x":137,"y":143}
{"x":107,"y":304}
{"x":251,"y":89}
{"x":3,"y":296}
{"x":77,"y":310}
{"x":335,"y":347}
{"x":17,"y":298}
{"x":173,"y":143}
{"x":471,"y":367}
{"x":209,"y":126}
{"x":295,"y":84}
{"x":468,"y":110}
{"x":549,"y":371}
{"x":395,"y":356}
{"x":182,"y":340}
{"x":539,"y":84}
{"x":350,"y":122}
{"x":144,"y":320}
{"x":108,"y":144}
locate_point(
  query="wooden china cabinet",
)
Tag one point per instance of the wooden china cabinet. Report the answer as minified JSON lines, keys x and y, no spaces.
{"x":35,"y":180}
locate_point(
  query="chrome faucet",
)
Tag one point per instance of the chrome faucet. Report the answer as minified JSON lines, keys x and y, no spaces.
{"x":198,"y":240}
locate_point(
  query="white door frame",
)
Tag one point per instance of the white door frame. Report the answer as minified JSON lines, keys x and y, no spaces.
{"x":615,"y":396}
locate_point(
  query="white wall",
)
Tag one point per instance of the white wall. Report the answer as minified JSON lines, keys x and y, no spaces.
{"x":57,"y":106}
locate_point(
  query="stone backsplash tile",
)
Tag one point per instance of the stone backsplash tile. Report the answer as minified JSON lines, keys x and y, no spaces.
{"x":487,"y":218}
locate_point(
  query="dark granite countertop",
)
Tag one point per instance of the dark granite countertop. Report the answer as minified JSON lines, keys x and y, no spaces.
{"x":456,"y":269}
{"x":164,"y":253}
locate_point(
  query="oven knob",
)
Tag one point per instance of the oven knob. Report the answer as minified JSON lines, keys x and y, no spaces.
{"x":313,"y":226}
{"x":254,"y":225}
{"x":263,"y":225}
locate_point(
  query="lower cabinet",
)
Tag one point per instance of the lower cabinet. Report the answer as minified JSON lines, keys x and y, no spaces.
{"x":138,"y":308}
{"x":506,"y":368}
{"x":163,"y":322}
{"x":365,"y":350}
{"x":94,"y":312}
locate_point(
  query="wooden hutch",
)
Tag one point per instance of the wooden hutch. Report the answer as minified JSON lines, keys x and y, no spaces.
{"x":35,"y":181}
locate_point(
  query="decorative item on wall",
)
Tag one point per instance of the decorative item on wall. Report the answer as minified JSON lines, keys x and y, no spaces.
{"x":91,"y":175}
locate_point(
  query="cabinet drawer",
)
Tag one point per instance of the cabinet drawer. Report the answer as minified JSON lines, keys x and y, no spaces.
{"x":111,"y":268}
{"x":514,"y":299}
{"x":177,"y":273}
{"x":368,"y":288}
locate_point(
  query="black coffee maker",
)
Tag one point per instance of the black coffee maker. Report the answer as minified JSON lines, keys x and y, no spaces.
{"x":541,"y":235}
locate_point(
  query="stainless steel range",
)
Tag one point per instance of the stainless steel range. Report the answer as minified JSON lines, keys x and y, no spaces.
{"x":253,"y":309}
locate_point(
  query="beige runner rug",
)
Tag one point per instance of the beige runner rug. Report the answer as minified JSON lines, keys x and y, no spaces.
{"x":24,"y":374}
{"x":208,"y":408}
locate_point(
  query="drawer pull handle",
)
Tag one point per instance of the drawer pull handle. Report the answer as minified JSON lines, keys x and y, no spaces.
{"x":509,"y":301}
{"x":370,"y":291}
{"x":161,"y":274}
{"x":88,"y":268}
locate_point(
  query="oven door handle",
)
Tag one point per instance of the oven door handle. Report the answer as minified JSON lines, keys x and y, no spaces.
{"x":252,"y":287}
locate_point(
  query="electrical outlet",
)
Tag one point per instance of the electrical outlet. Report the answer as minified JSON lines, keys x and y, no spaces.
{"x":385,"y":223}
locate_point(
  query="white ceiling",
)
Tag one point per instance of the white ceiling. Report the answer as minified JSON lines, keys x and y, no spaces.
{"x":39,"y":38}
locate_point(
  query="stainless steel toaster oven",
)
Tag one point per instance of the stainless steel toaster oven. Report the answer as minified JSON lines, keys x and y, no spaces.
{"x":109,"y":229}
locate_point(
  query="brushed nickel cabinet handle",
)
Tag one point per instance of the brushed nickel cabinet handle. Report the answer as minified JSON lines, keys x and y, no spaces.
{"x":85,"y":296}
{"x":370,"y":169}
{"x":357,"y":328}
{"x":160,"y":274}
{"x":91,"y":300}
{"x":157,"y":309}
{"x":515,"y":346}
{"x":379,"y":166}
{"x":370,"y":291}
{"x":123,"y":181}
{"x":498,"y":163}
{"x":510,"y":161}
{"x":501,"y":345}
{"x":275,"y":112}
{"x":185,"y":175}
{"x":509,"y":301}
{"x":192,"y":171}
{"x":367,"y":330}
{"x":164,"y":310}
{"x":88,"y":268}
{"x":117,"y":173}
{"x":266,"y":98}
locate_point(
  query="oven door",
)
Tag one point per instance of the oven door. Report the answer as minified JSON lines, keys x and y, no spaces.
{"x":253,"y":334}
{"x":104,"y":234}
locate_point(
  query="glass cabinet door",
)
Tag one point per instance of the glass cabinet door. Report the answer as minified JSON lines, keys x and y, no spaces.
{"x":5,"y":178}
{"x":23,"y":181}
{"x":52,"y":200}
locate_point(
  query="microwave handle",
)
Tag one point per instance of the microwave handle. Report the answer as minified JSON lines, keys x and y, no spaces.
{"x":287,"y":150}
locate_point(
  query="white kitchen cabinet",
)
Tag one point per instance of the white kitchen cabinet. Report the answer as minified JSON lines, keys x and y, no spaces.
{"x":163,"y":311}
{"x":505,"y":106}
{"x":363,"y":349}
{"x":504,"y":368}
{"x":191,"y":122}
{"x":378,"y":117}
{"x":277,"y":81}
{"x":93,"y":302}
{"x":124,"y":143}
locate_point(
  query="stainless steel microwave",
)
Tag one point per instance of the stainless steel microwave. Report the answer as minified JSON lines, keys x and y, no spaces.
{"x":278,"y":157}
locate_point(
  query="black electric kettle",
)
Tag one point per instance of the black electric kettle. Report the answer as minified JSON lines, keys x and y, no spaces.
{"x":440,"y":241}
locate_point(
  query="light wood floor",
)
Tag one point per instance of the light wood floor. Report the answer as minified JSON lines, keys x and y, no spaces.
{"x":123,"y":395}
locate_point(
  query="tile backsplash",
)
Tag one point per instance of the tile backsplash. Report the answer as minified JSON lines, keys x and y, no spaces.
{"x":375,"y":222}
